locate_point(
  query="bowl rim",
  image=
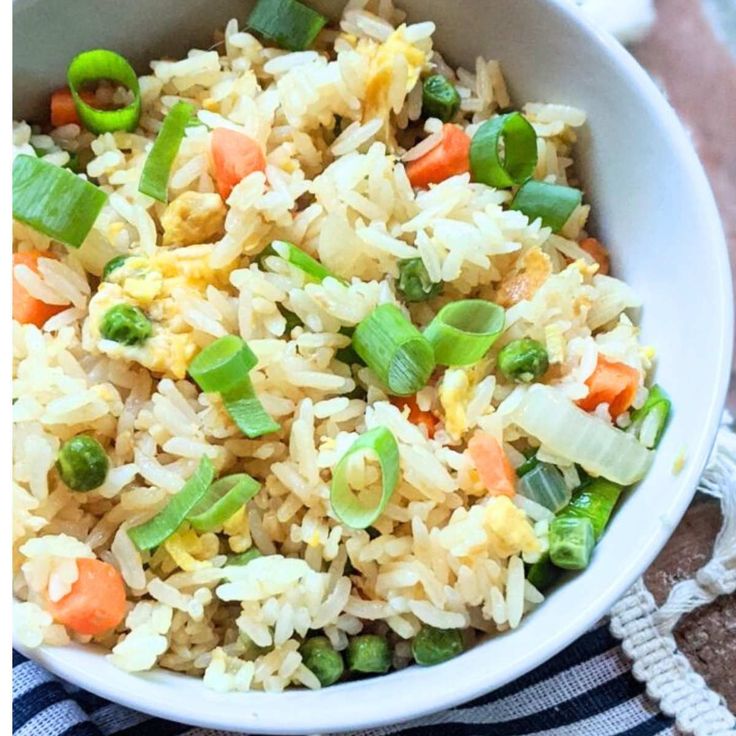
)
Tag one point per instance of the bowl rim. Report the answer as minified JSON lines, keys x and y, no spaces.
{"x":146,"y":693}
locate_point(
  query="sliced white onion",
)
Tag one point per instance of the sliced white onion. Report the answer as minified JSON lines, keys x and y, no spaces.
{"x":572,"y":433}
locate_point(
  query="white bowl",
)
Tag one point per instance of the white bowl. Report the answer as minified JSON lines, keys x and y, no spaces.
{"x":652,"y":207}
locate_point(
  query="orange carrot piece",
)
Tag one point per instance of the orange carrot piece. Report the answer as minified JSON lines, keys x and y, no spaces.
{"x":599,"y":253}
{"x":63,"y":111}
{"x":492,"y":464}
{"x":96,"y":602}
{"x":612,"y":383}
{"x":234,"y":156}
{"x":416,"y":415}
{"x":449,"y":158}
{"x":26,"y":308}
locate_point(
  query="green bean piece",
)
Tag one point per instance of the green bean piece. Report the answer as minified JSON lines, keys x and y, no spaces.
{"x":112,"y":264}
{"x":594,"y":501}
{"x":125,"y":324}
{"x":414,"y":283}
{"x":440,"y":99}
{"x":543,"y":574}
{"x":319,"y":657}
{"x":82,"y":463}
{"x":571,"y":542}
{"x":523,"y":360}
{"x":432,"y":646}
{"x":369,"y":653}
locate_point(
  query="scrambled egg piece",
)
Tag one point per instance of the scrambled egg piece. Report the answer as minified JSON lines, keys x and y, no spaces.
{"x":531,"y":270}
{"x":194,"y":217}
{"x":455,"y":392}
{"x":381,"y":60}
{"x":508,"y":529}
{"x":155,"y":284}
{"x":183,"y":545}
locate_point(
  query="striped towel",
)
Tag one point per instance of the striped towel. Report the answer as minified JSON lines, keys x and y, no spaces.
{"x":586,"y":690}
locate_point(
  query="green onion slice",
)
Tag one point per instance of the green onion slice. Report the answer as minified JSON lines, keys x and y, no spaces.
{"x":223,"y":365}
{"x":552,"y":203}
{"x":54,"y":201}
{"x":545,"y":485}
{"x":96,"y":64}
{"x":244,"y":557}
{"x":155,"y":177}
{"x":571,"y":542}
{"x":649,"y":422}
{"x":489,"y":165}
{"x":543,"y":574}
{"x":222,"y":499}
{"x":462,"y":332}
{"x":354,"y":510}
{"x":311,"y":267}
{"x":247,"y":412}
{"x":291,"y":24}
{"x":394,"y":350}
{"x":158,"y":529}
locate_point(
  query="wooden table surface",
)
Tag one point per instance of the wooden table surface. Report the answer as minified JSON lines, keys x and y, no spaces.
{"x":691,"y":53}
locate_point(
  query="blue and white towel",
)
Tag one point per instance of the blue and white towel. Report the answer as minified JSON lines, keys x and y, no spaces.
{"x":586,"y":690}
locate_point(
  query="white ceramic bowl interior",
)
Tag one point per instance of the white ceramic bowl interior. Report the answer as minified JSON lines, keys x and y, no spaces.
{"x":652,"y":207}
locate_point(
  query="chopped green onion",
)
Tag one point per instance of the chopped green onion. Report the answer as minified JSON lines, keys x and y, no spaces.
{"x":394,"y":350}
{"x":462,"y":332}
{"x":311,"y":267}
{"x":432,"y":646}
{"x":529,"y":464}
{"x":551,"y":202}
{"x":112,"y":264}
{"x":545,"y":485}
{"x":126,"y":324}
{"x":223,"y":365}
{"x":489,"y":166}
{"x":158,"y":529}
{"x":288,"y":23}
{"x":523,"y":360}
{"x":91,"y":66}
{"x":350,"y":508}
{"x":246,"y":410}
{"x":369,"y":653}
{"x":292,"y":320}
{"x":414,"y":283}
{"x":595,"y":501}
{"x":440,"y":99}
{"x":244,"y":557}
{"x":649,"y":422}
{"x":54,"y":201}
{"x":157,"y":169}
{"x":223,"y":498}
{"x":571,"y":542}
{"x":542,"y":574}
{"x":322,"y":659}
{"x":73,"y":164}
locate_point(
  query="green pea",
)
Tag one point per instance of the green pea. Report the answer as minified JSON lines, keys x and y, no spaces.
{"x":125,"y":324}
{"x":82,"y":463}
{"x":440,"y":99}
{"x":112,"y":264}
{"x":414,"y":282}
{"x":369,"y":653}
{"x":523,"y":360}
{"x":319,"y":657}
{"x":432,"y":646}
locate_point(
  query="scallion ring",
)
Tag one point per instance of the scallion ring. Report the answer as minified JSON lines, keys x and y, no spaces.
{"x":159,"y":528}
{"x":91,"y":66}
{"x":551,"y":203}
{"x":157,"y":169}
{"x":489,"y":165}
{"x":462,"y":332}
{"x":394,"y":350}
{"x":223,"y":498}
{"x":354,"y":510}
{"x":246,"y":410}
{"x":223,"y":365}
{"x":54,"y":201}
{"x":289,"y":23}
{"x":311,"y":267}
